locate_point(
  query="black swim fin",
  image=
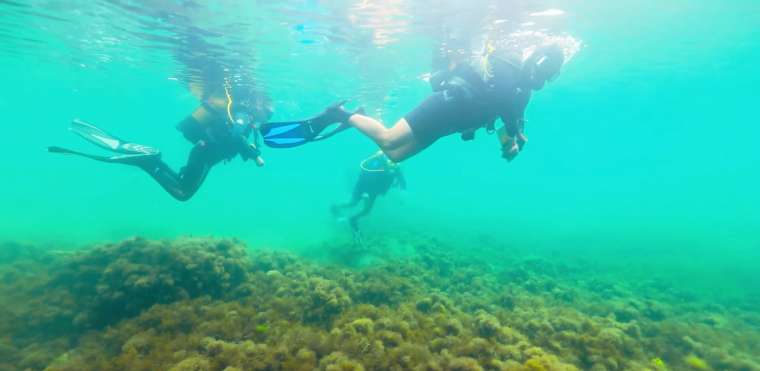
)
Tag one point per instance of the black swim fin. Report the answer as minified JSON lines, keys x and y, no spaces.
{"x":135,"y":159}
{"x":100,"y":138}
{"x":129,"y":153}
{"x":296,"y":133}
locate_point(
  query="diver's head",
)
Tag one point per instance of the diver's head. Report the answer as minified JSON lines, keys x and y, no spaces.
{"x":543,"y":65}
{"x":250,"y":105}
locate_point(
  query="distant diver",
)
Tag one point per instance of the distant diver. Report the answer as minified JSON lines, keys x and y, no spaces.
{"x":467,"y":97}
{"x":219,"y":130}
{"x":377,"y":175}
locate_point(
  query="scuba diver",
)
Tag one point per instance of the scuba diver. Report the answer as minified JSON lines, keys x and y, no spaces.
{"x":219,"y":130}
{"x":466,"y":97}
{"x":378,"y":174}
{"x":231,"y":118}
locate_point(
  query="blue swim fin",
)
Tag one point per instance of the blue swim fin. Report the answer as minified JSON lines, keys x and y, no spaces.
{"x":296,"y":133}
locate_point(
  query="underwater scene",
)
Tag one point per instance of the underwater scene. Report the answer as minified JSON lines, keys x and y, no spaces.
{"x":428,"y":185}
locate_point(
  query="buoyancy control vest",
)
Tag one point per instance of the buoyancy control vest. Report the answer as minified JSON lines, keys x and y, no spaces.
{"x":490,"y":85}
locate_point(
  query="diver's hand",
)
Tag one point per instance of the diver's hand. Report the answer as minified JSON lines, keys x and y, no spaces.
{"x":258,"y":159}
{"x":521,"y":140}
{"x":510,"y":150}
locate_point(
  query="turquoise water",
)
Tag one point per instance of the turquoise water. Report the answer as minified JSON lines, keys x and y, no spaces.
{"x":646,"y":140}
{"x":642,"y":155}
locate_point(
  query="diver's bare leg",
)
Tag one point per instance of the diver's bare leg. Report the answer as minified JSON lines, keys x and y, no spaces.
{"x":397,"y":142}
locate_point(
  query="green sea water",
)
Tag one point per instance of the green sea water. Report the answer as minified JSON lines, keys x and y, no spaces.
{"x":643,"y":155}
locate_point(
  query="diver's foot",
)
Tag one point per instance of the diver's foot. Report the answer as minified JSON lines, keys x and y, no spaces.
{"x":335,"y":113}
{"x":358,"y":240}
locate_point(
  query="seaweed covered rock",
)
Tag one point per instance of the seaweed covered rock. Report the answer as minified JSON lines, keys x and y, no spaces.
{"x":115,"y":281}
{"x":325,"y":300}
{"x":338,"y":361}
{"x":487,"y":325}
{"x":379,"y":286}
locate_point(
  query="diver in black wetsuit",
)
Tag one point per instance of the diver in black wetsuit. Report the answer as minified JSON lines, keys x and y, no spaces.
{"x":231,"y":109}
{"x":378,"y":174}
{"x":466,"y":97}
{"x":219,"y":130}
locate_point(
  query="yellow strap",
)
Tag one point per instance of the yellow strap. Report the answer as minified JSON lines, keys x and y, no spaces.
{"x":489,"y":49}
{"x":229,"y":104}
{"x":363,"y":166}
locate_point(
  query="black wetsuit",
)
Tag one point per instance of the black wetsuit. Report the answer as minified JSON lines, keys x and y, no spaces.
{"x":213,"y":142}
{"x":212,"y":73}
{"x":463,"y":102}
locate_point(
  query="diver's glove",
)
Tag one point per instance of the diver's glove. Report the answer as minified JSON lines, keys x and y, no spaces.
{"x":259,"y":161}
{"x":257,"y":155}
{"x":510,"y":149}
{"x":251,"y":151}
{"x":521,"y":140}
{"x":468,"y":135}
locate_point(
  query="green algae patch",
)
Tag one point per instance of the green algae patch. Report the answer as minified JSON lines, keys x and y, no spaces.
{"x":696,"y":363}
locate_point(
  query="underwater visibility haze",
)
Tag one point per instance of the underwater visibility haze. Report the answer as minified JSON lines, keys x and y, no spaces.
{"x":624,"y":236}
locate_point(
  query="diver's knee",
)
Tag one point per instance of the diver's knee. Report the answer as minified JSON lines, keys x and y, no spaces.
{"x":182,"y":196}
{"x":183,"y":193}
{"x":389,"y":141}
